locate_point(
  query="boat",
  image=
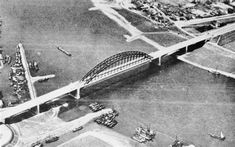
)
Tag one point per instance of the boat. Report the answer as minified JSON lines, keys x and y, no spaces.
{"x":37,"y":144}
{"x":77,"y":129}
{"x":50,"y":139}
{"x":143,"y":135}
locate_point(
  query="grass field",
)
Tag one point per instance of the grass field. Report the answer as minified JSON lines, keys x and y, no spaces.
{"x":138,"y":21}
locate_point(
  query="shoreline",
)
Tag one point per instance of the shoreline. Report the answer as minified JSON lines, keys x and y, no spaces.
{"x":182,"y":92}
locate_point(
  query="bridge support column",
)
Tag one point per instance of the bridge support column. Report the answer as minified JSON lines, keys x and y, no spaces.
{"x":217,"y":42}
{"x":78,"y":93}
{"x":38,"y":109}
{"x":77,"y":86}
{"x":186,"y":50}
{"x":159,"y":61}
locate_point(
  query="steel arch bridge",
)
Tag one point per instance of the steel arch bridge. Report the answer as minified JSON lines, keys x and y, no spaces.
{"x":116,"y":61}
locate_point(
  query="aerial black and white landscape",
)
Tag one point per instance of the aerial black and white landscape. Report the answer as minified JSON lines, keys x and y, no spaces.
{"x":117,"y":73}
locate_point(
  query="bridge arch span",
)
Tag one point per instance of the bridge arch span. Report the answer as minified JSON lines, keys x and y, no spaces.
{"x":115,"y":61}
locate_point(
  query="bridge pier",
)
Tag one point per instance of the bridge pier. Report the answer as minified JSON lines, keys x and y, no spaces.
{"x":38,"y":109}
{"x":218,"y":40}
{"x":159,"y":61}
{"x":79,"y":85}
{"x":78,"y":96}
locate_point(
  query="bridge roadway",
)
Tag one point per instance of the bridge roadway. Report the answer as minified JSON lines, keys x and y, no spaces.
{"x":205,"y":36}
{"x":204,"y":20}
{"x":8,"y":112}
{"x":12,"y":111}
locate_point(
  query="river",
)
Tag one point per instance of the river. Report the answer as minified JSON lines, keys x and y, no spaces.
{"x":176,"y":99}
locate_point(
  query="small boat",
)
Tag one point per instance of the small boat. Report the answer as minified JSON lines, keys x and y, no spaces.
{"x":143,"y":135}
{"x":37,"y":144}
{"x":221,"y":137}
{"x":51,"y":139}
{"x":63,"y":51}
{"x":77,"y":129}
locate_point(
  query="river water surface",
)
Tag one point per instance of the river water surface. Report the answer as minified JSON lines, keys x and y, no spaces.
{"x":176,"y":99}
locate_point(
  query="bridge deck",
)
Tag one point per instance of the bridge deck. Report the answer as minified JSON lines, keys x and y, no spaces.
{"x":213,"y":59}
{"x":39,"y":100}
{"x":204,"y":20}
